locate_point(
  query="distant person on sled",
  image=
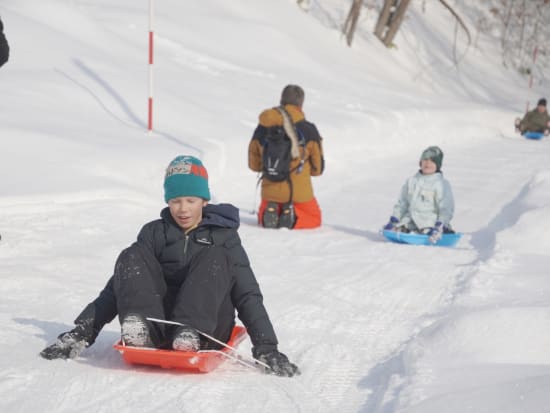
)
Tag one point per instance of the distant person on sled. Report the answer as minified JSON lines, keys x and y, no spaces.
{"x":536,"y":120}
{"x":188,"y":267}
{"x":287,"y":150}
{"x":426,"y":203}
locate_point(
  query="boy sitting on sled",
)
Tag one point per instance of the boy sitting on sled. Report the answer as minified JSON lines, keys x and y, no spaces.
{"x":426,"y":203}
{"x":188,"y":267}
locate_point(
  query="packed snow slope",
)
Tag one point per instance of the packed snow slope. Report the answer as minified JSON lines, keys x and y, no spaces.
{"x":374,"y":326}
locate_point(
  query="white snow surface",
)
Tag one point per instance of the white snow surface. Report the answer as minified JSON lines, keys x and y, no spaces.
{"x":374,"y":326}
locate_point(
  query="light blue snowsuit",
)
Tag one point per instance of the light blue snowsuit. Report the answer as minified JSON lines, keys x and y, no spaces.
{"x":424,"y":200}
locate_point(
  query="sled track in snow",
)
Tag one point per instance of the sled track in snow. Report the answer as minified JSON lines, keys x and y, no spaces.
{"x":390,"y":378}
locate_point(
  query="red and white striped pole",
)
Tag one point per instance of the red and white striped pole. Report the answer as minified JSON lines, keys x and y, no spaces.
{"x":150,"y":102}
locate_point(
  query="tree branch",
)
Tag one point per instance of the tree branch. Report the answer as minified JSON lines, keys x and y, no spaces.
{"x":458,"y":19}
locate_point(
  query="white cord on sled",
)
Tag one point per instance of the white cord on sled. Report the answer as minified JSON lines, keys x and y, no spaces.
{"x":215,"y":340}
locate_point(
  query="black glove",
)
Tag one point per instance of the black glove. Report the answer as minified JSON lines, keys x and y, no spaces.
{"x":69,"y":345}
{"x":279,"y":364}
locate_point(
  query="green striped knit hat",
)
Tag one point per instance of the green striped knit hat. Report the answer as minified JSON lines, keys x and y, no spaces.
{"x":435,"y":154}
{"x":186,"y":176}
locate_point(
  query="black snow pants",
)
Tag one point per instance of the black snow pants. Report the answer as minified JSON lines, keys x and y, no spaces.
{"x":202,"y":301}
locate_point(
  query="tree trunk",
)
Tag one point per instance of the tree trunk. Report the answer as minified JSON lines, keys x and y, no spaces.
{"x":351,"y":21}
{"x":380,"y":28}
{"x":395,"y":22}
{"x":506,"y":23}
{"x":522,"y":33}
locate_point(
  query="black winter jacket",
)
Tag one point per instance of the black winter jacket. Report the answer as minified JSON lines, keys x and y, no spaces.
{"x":174,"y":250}
{"x":4,"y":48}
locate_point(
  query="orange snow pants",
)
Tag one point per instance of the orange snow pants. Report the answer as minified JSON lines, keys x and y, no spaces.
{"x":308,"y":214}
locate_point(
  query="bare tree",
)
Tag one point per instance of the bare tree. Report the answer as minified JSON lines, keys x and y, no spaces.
{"x":523,"y":29}
{"x":458,"y":19}
{"x":390,"y":20}
{"x":506,"y":23}
{"x":460,"y":22}
{"x":351,"y":21}
{"x":384,"y":17}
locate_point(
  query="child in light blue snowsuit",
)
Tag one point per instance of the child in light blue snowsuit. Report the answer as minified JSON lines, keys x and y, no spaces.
{"x":426,"y":203}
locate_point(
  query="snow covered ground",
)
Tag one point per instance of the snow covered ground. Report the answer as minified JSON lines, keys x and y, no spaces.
{"x":375,"y":327}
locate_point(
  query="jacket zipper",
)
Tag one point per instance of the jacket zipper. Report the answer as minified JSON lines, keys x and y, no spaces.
{"x":185,"y":245}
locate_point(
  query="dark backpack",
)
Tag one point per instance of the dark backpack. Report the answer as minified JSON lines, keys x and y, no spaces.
{"x":276,"y":155}
{"x":277,"y":151}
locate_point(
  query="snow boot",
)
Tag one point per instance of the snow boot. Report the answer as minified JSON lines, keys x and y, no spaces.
{"x":270,"y":218}
{"x":136,"y":332}
{"x":288,"y":216}
{"x":186,"y":339}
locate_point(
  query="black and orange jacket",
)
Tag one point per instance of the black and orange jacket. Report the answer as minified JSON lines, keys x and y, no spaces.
{"x":312,"y":153}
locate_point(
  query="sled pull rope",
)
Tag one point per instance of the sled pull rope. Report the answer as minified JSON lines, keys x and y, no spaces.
{"x":237,"y":358}
{"x":215,"y":340}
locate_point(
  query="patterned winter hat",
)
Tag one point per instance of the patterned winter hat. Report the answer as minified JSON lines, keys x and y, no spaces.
{"x":186,"y":176}
{"x":435,"y":154}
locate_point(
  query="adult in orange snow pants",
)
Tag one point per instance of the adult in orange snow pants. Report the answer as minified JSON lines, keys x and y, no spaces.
{"x":290,"y":202}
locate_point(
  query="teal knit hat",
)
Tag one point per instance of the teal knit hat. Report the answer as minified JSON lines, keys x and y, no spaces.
{"x":186,"y":176}
{"x":435,"y":154}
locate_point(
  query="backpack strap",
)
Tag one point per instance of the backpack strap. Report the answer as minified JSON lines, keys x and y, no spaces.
{"x":296,"y":137}
{"x":297,"y":140}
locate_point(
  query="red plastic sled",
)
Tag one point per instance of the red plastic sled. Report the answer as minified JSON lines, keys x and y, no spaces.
{"x":202,"y":361}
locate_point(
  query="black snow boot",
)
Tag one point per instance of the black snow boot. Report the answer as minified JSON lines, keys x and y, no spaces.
{"x":186,"y":339}
{"x":288,"y":216}
{"x":271,"y":217}
{"x":136,"y":331}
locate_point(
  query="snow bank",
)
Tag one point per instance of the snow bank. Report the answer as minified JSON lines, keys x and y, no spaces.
{"x":490,"y":353}
{"x":486,"y":360}
{"x":531,"y":233}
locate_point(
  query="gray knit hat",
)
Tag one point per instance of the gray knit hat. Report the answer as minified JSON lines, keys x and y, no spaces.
{"x":435,"y":154}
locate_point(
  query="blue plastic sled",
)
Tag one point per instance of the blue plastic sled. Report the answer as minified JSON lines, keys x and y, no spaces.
{"x":533,"y":135}
{"x":447,"y":240}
